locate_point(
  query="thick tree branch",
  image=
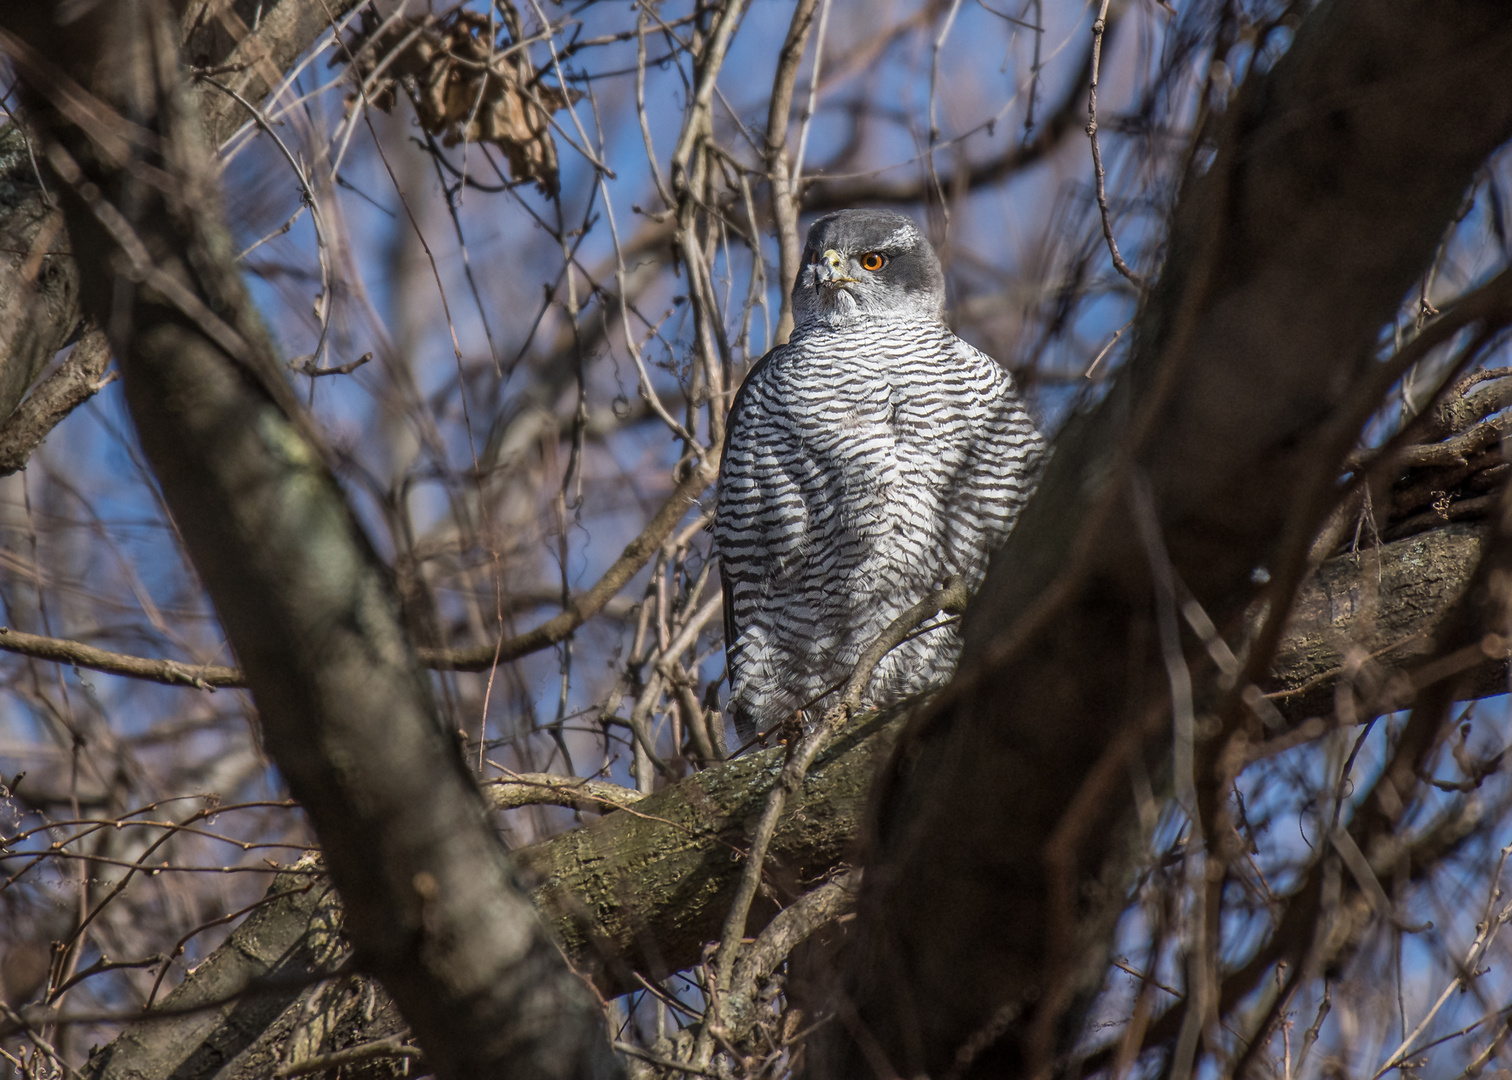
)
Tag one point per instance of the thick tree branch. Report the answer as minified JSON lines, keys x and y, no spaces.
{"x":1363,"y":613}
{"x":253,"y":61}
{"x":239,"y":990}
{"x":550,"y":789}
{"x":642,"y":889}
{"x":1004,"y":833}
{"x":39,"y":283}
{"x":77,"y":380}
{"x":433,"y":908}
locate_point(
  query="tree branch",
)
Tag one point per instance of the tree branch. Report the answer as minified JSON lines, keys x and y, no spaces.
{"x":636,"y":554}
{"x":276,"y":949}
{"x":1064,"y":119}
{"x":433,"y":906}
{"x":77,"y":380}
{"x":39,"y":298}
{"x":480,"y":658}
{"x":779,"y":173}
{"x":1005,"y":833}
{"x":643,"y":888}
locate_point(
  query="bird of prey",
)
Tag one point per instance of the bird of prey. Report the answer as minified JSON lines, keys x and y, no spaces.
{"x":866,"y":461}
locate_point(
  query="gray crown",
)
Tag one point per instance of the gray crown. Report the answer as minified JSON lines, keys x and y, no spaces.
{"x":834,"y":288}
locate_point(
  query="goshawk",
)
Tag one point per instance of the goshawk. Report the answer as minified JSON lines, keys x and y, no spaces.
{"x":866,"y":461}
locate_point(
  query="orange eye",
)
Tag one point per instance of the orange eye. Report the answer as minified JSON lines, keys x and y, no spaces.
{"x":873,"y":261}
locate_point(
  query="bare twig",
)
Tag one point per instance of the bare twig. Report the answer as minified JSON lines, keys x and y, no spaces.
{"x":812,"y":911}
{"x":306,"y":365}
{"x":1099,"y":26}
{"x":393,"y":1047}
{"x":780,"y":177}
{"x":577,"y":793}
{"x":1325,"y":1003}
{"x":317,"y":218}
{"x":168,"y":672}
{"x":801,"y":753}
{"x":1486,"y":930}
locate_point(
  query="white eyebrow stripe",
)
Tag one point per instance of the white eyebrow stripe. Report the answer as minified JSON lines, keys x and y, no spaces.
{"x":900,"y":234}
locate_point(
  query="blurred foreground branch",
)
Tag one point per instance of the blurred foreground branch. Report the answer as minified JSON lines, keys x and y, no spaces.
{"x":1005,"y":834}
{"x":433,"y":906}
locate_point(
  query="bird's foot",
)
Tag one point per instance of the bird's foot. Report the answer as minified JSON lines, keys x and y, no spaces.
{"x":791,"y":729}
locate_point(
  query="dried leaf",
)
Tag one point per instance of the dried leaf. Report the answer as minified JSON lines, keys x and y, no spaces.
{"x":463,"y":89}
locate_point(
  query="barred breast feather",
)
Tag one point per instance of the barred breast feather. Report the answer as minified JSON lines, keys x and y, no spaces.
{"x":862,"y":467}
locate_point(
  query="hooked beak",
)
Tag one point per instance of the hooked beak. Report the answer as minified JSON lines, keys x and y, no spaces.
{"x":829,"y":270}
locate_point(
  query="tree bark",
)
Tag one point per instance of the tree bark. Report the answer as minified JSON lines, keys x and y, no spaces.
{"x":1003,"y":834}
{"x":39,"y":283}
{"x":432,"y":904}
{"x":239,"y":990}
{"x":75,"y":381}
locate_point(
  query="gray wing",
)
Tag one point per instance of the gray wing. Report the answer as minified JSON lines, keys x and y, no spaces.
{"x":1004,"y":460}
{"x":750,"y":475}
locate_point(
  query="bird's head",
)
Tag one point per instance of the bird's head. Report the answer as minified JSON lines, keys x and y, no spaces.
{"x":861,"y":263}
